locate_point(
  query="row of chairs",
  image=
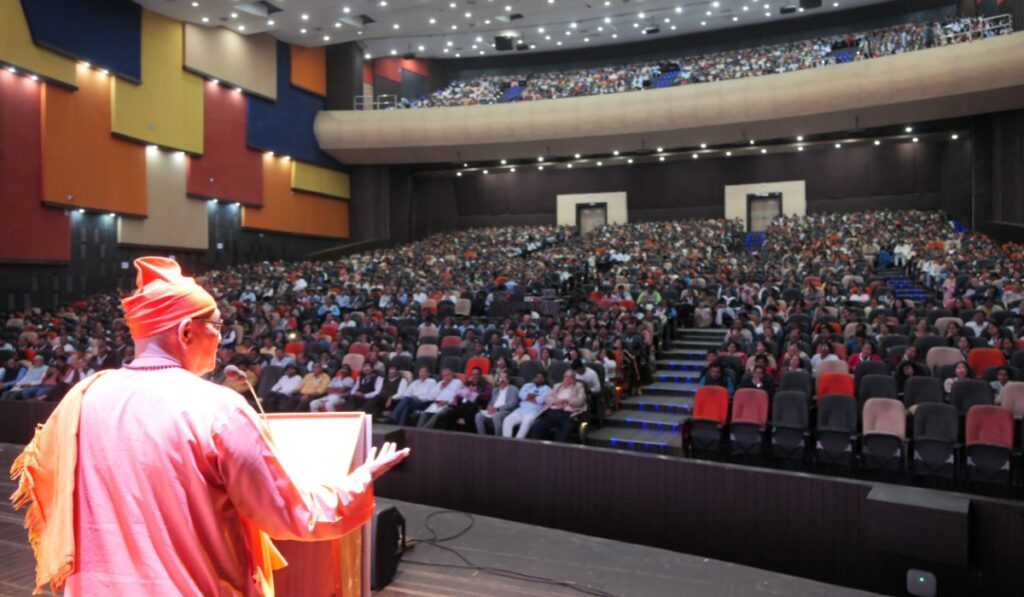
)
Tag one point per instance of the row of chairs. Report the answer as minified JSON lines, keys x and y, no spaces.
{"x":935,"y":449}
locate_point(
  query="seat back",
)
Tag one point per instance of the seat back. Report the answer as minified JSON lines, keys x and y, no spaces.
{"x":429,"y":362}
{"x":935,"y":420}
{"x":453,"y":363}
{"x":1017,"y":359}
{"x":924,"y":344}
{"x":990,"y":425}
{"x":936,"y":314}
{"x":729,"y":361}
{"x":943,"y":322}
{"x":791,"y":409}
{"x":451,"y":351}
{"x":557,"y":371}
{"x":920,"y":389}
{"x":427,"y":350}
{"x":942,"y":355}
{"x":269,"y":376}
{"x":830,"y":367}
{"x":295,"y":347}
{"x":796,"y":380}
{"x":980,"y":359}
{"x":449,"y":341}
{"x":429,"y":331}
{"x":482,"y":362}
{"x":838,"y":412}
{"x":1012,"y":398}
{"x":835,"y":383}
{"x":711,"y":403}
{"x":869,"y":368}
{"x":892,"y":340}
{"x":403,"y":363}
{"x":967,"y":393}
{"x":355,"y":361}
{"x":877,"y":386}
{"x":359,"y":348}
{"x":885,"y":415}
{"x":750,"y":405}
{"x":529,"y":369}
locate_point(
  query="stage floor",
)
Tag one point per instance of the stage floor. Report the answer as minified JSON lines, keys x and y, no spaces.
{"x":608,"y":567}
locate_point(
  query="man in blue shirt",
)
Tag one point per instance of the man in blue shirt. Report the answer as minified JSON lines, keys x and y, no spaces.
{"x":531,"y":402}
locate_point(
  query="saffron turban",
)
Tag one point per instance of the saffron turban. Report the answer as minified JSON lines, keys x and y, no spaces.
{"x":163,"y":297}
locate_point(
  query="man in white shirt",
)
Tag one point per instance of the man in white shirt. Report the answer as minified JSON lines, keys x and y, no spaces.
{"x":337,"y":391}
{"x":531,"y":401}
{"x":281,"y":359}
{"x":283,"y":390}
{"x":447,"y":394}
{"x":417,"y":396}
{"x":978,"y":323}
{"x":504,"y":400}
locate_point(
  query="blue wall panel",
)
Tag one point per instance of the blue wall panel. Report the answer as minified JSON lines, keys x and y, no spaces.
{"x":107,"y":34}
{"x":286,"y":126}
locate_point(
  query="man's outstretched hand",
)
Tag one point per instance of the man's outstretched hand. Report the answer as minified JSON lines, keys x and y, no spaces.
{"x":381,"y":462}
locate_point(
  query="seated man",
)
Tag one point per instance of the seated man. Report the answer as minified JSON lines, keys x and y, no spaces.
{"x":504,"y":400}
{"x":337,"y":392}
{"x":591,"y":382}
{"x":391,"y":386}
{"x":367,"y":387}
{"x":281,"y":397}
{"x":313,"y":386}
{"x":447,"y":394}
{"x":565,"y":403}
{"x":416,"y":397}
{"x":759,"y":379}
{"x":716,"y":376}
{"x":531,"y":401}
{"x":33,"y":378}
{"x":12,"y":373}
{"x":475,"y":396}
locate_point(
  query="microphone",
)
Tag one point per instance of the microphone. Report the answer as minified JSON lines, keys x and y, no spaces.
{"x":235,"y":373}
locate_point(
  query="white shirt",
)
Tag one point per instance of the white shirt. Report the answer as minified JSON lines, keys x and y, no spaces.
{"x":446,"y":394}
{"x":589,"y":379}
{"x":423,"y":389}
{"x":287,"y":385}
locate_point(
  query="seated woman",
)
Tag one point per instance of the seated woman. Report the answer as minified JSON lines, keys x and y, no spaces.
{"x":564,"y":406}
{"x":960,"y":372}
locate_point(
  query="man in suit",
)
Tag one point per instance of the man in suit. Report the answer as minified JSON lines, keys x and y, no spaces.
{"x":504,"y":400}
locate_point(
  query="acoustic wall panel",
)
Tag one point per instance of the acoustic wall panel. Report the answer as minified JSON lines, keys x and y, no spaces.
{"x":16,"y":47}
{"x":295,"y":212}
{"x":246,"y":61}
{"x":167,"y":108}
{"x":174,"y":220}
{"x":286,"y":126}
{"x":83,"y":164}
{"x":105,"y":33}
{"x":309,"y":69}
{"x":228,"y":169}
{"x":28,"y":231}
{"x":320,"y":180}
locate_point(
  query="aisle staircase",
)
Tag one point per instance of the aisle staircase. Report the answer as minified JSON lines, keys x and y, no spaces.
{"x":754,"y":240}
{"x":653,"y":421}
{"x":904,"y":287}
{"x":511,"y":94}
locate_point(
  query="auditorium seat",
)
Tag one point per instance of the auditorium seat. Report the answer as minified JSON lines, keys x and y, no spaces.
{"x":463,"y":307}
{"x":936,"y":431}
{"x":944,"y":372}
{"x":710,"y":415}
{"x":920,"y":389}
{"x":968,"y":393}
{"x":557,"y":371}
{"x":451,"y":351}
{"x":427,"y":350}
{"x":892,"y":340}
{"x":454,"y":340}
{"x":269,"y":376}
{"x":428,"y":307}
{"x":796,"y":380}
{"x":869,"y":368}
{"x":895,"y":353}
{"x":885,"y":431}
{"x":790,"y":425}
{"x":428,"y":331}
{"x":1012,"y":398}
{"x":876,"y":386}
{"x":295,"y":347}
{"x":482,"y":362}
{"x":733,"y":363}
{"x":453,"y":363}
{"x":529,"y":369}
{"x":837,"y":429}
{"x":355,"y":361}
{"x":403,"y":363}
{"x":980,"y":359}
{"x":942,"y":355}
{"x":989,"y":440}
{"x":924,"y":344}
{"x":430,"y":362}
{"x":1017,"y":359}
{"x":824,"y":367}
{"x":943,"y":322}
{"x":359,"y":348}
{"x":749,"y":418}
{"x":834,"y":383}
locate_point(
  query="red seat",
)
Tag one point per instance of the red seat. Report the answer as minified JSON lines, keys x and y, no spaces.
{"x":711,"y":403}
{"x":482,"y":362}
{"x":359,"y":348}
{"x":295,"y":347}
{"x":450,"y":341}
{"x":990,"y":425}
{"x":980,"y":359}
{"x":834,"y":383}
{"x":750,"y":405}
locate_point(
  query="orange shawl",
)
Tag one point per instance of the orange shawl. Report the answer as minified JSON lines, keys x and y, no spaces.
{"x":45,"y":472}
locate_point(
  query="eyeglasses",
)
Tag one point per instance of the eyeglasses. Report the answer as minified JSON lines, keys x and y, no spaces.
{"x":214,"y":322}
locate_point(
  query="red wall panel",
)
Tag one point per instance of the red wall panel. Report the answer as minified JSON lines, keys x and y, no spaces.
{"x":228,"y":169}
{"x":28,"y":230}
{"x":391,"y":68}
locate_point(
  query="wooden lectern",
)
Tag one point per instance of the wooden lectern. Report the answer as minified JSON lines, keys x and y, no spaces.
{"x":318,"y":448}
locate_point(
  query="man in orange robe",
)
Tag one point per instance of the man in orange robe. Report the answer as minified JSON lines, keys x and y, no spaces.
{"x":149,"y":480}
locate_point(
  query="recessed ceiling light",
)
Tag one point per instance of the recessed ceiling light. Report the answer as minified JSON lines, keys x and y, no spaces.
{"x":569,"y":166}
{"x":600,"y":163}
{"x":465,"y":164}
{"x":694,"y":156}
{"x":660,"y":149}
{"x":715,"y":4}
{"x":540,"y":30}
{"x":673,"y":27}
{"x":234,"y":15}
{"x":835,"y":5}
{"x":576,"y":155}
{"x":486,"y":172}
{"x":954,"y":136}
{"x":914,"y":139}
{"x":270,"y":23}
{"x":241,"y":27}
{"x":679,"y":10}
{"x":800,"y":148}
{"x":751,"y":141}
{"x":661,"y":158}
{"x":572,"y":25}
{"x":909,"y":129}
{"x":487,"y":22}
{"x":559,"y":43}
{"x":838,"y":145}
{"x":568,"y":32}
{"x":305,"y":17}
{"x":360,"y":32}
{"x":799,"y":137}
{"x":877,"y":142}
{"x":446,"y":50}
{"x":734,"y":19}
{"x":458,"y":55}
{"x":616,"y":152}
{"x":469,"y":15}
{"x":512,"y":169}
{"x":394,"y":52}
{"x":636,"y":25}
{"x":367,"y":56}
{"x":641,"y":15}
{"x":395,"y":26}
{"x":703,"y":145}
{"x":474,"y":46}
{"x":458,"y":174}
{"x":541,"y":167}
{"x":479,"y":40}
{"x":533,"y":46}
{"x":668,"y":20}
{"x":433,"y":20}
{"x":346,"y":10}
{"x":503,"y":162}
{"x":195,"y":4}
{"x":206,"y":19}
{"x":708,"y":13}
{"x":629,"y":161}
{"x":327,"y":38}
{"x":452,"y":5}
{"x":763,"y":150}
{"x":767,"y":14}
{"x":615,"y":36}
{"x":302,"y":31}
{"x":540,"y":158}
{"x":586,"y":40}
{"x":420,"y":48}
{"x":508,"y":8}
{"x":703,"y":23}
{"x":728,"y":154}
{"x":383,"y":3}
{"x":337,"y":25}
{"x":454,"y":27}
{"x":746,"y":8}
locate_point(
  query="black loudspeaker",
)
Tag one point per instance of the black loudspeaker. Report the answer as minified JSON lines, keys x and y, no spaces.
{"x":805,"y":4}
{"x":503,"y":43}
{"x":388,"y":543}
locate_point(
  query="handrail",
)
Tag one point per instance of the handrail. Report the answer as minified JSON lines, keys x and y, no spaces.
{"x":380,"y":102}
{"x":989,"y":26}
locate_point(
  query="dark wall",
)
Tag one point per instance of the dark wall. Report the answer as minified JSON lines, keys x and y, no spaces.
{"x":822,"y":528}
{"x":98,"y":263}
{"x":344,"y":75}
{"x":998,"y":173}
{"x":861,"y":177}
{"x":827,"y":23}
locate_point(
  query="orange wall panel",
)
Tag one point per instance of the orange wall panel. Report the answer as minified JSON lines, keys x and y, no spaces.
{"x":295,"y":212}
{"x":309,"y":69}
{"x":83,"y":164}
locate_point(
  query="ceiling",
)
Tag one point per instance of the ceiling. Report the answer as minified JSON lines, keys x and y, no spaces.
{"x":465,"y":28}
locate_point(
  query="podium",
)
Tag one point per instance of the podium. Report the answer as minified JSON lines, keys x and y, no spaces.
{"x":317,"y":448}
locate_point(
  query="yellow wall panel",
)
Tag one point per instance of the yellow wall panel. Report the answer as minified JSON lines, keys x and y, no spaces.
{"x":296,"y":212}
{"x":174,"y":220}
{"x":167,"y":108}
{"x":246,"y":61}
{"x":319,"y":180}
{"x":17,"y":48}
